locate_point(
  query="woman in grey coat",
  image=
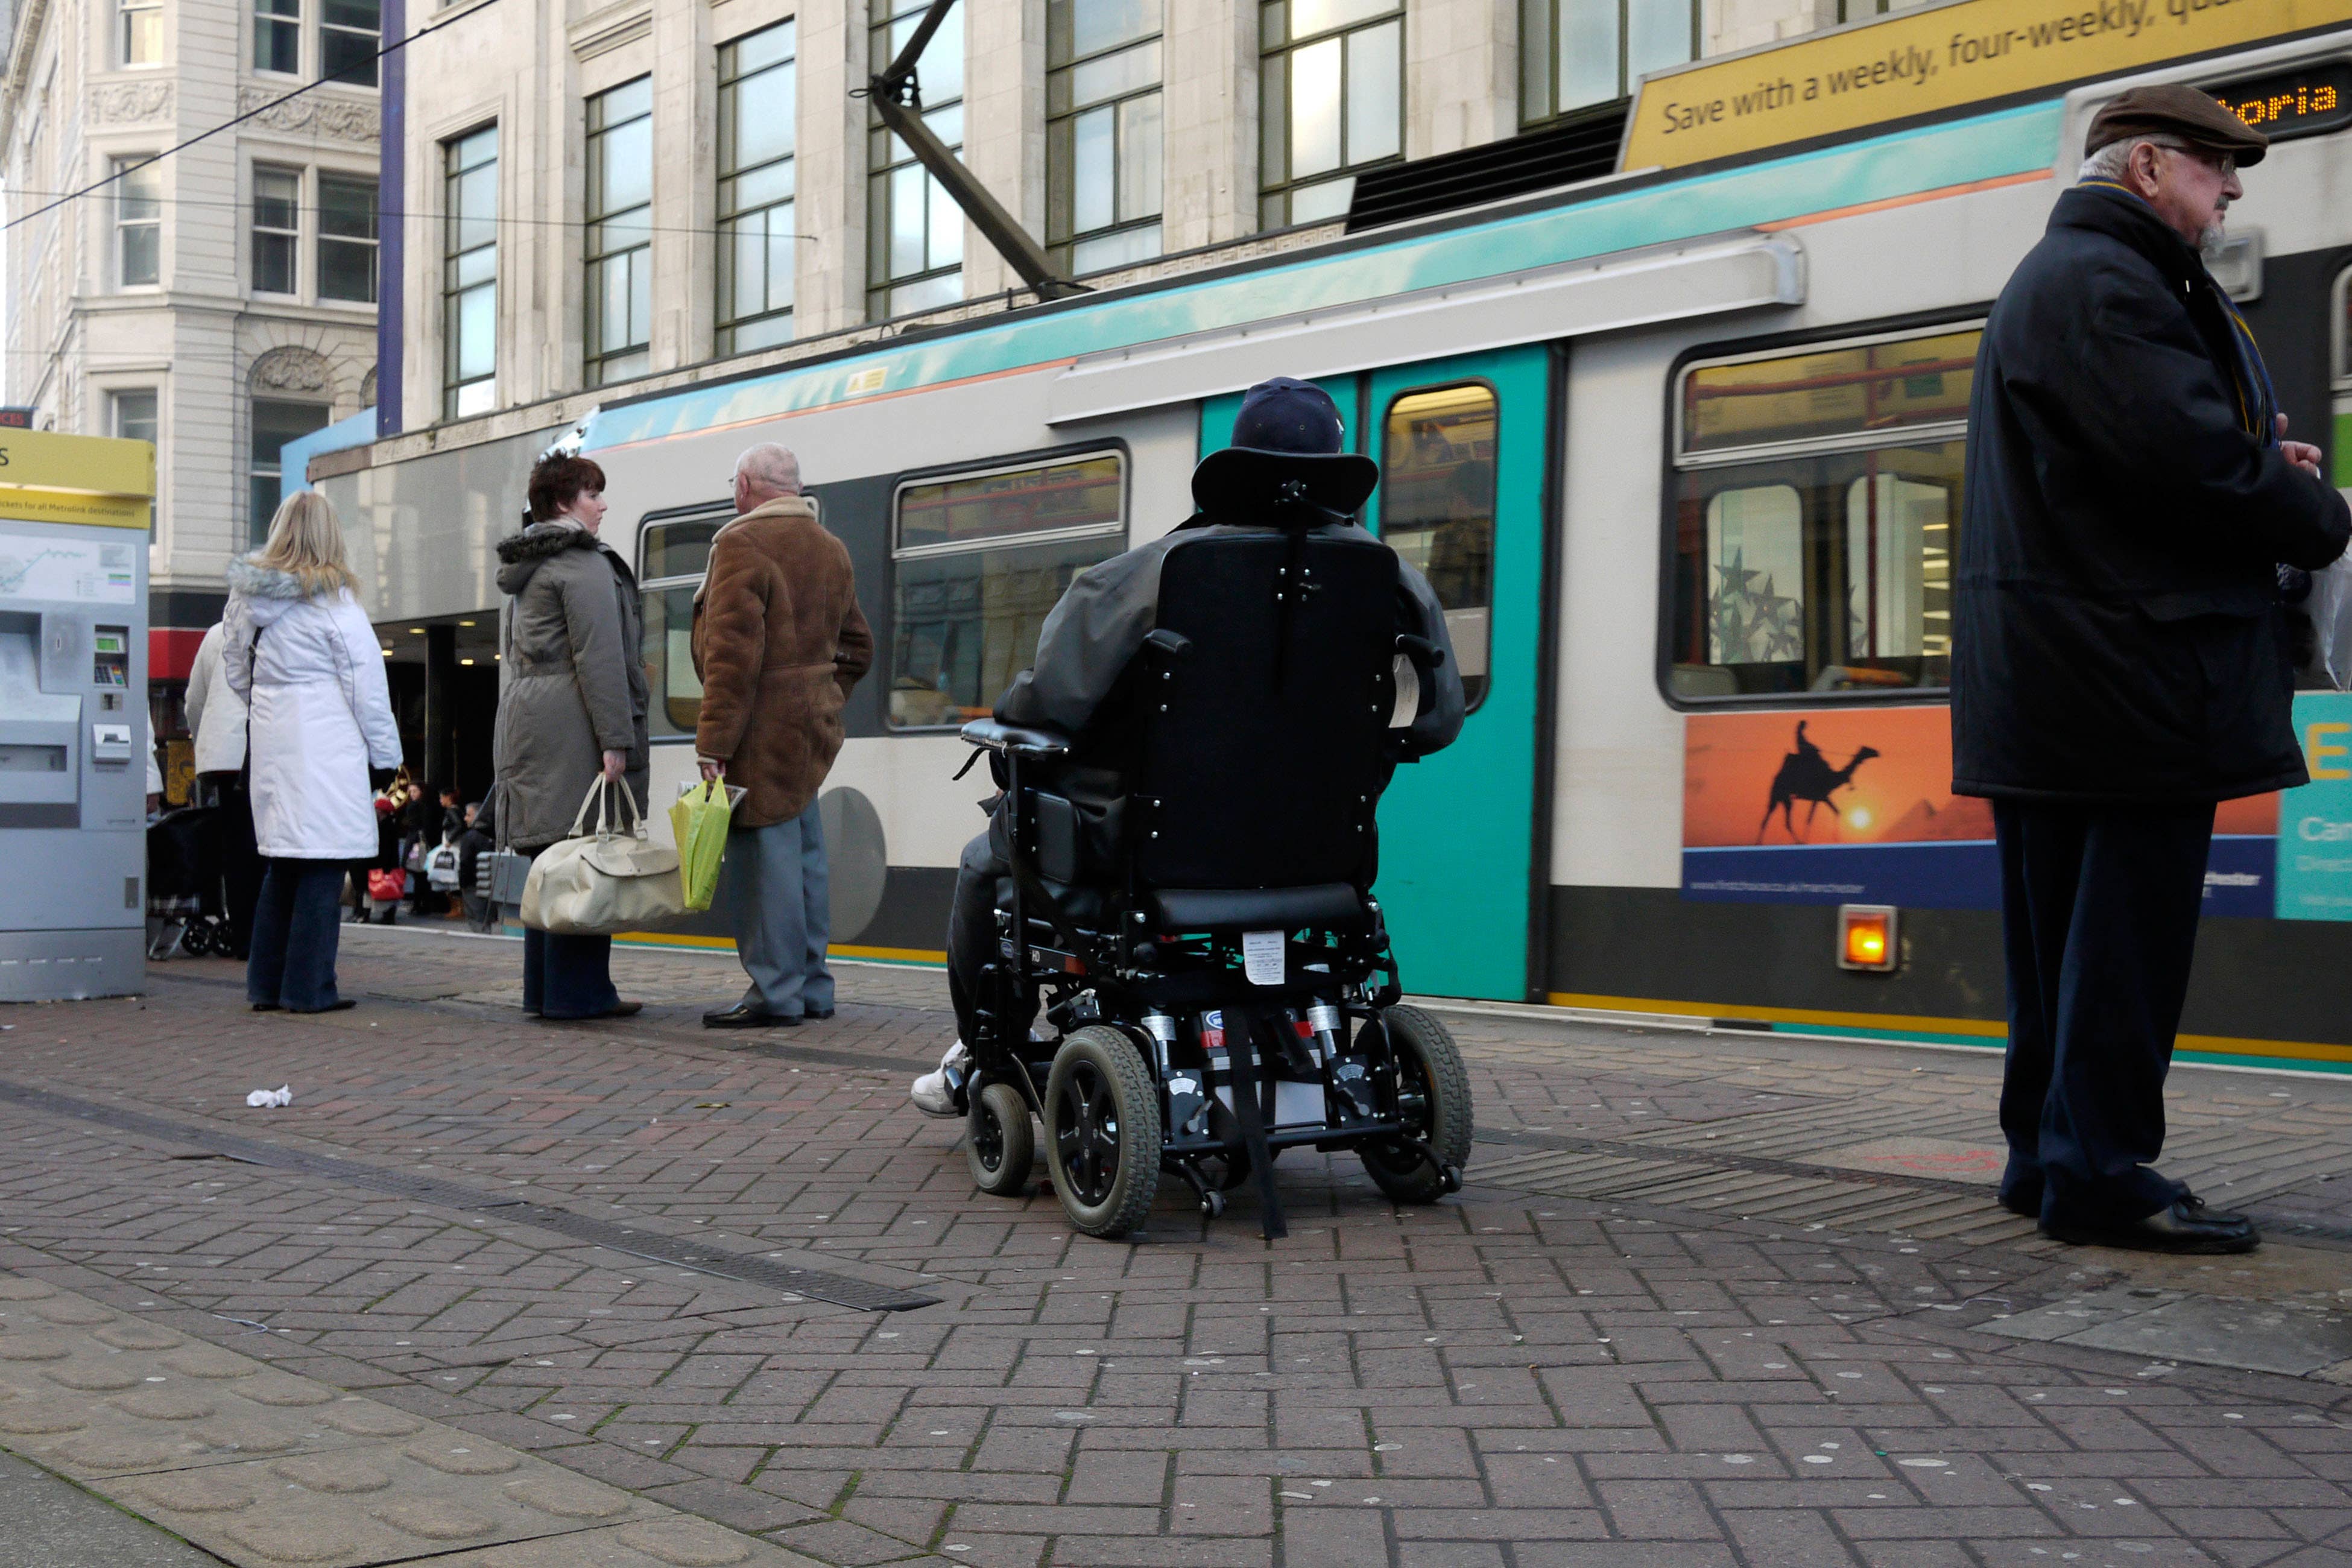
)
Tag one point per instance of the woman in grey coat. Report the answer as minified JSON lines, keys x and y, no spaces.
{"x":573,"y":696}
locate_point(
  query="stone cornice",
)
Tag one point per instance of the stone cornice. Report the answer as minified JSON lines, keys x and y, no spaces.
{"x":359,"y":122}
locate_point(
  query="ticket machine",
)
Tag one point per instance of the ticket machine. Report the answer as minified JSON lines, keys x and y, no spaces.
{"x":74,"y":515}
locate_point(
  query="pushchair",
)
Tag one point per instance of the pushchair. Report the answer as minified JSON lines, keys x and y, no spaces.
{"x":1199,"y":932}
{"x":183,"y":884}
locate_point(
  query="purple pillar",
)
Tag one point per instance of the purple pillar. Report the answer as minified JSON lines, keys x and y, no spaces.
{"x":392,"y":223}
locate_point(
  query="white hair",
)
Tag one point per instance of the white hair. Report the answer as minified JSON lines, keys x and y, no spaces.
{"x":2110,"y":161}
{"x":773,"y":467}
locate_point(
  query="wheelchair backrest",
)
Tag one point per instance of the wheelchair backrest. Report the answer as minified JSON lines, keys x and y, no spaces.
{"x":1261,"y":744}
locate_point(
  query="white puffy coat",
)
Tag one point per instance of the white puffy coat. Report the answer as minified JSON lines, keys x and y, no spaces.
{"x":215,"y":713}
{"x":318,"y":713}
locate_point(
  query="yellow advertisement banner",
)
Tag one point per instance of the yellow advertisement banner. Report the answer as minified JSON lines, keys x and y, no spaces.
{"x":95,"y":465}
{"x":21,"y":504}
{"x":1919,"y":62}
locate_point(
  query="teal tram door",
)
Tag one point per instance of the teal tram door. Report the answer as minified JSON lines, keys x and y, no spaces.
{"x":1461,"y":443}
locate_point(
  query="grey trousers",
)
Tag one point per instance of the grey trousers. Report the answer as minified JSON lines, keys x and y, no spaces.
{"x":776,"y":893}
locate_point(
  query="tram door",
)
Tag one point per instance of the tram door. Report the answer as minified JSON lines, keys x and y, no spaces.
{"x":1461,"y":444}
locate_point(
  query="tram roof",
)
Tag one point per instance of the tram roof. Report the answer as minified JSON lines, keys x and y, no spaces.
{"x":1599,"y":221}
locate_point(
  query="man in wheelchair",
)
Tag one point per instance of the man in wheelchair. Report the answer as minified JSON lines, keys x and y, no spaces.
{"x":1179,"y":869}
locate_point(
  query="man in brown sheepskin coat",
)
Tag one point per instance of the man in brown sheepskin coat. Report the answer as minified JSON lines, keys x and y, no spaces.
{"x":779,"y":642}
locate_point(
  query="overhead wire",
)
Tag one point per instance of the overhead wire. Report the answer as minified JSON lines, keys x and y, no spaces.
{"x":255,"y":112}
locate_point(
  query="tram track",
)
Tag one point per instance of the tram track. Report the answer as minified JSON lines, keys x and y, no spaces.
{"x":776,"y":1273}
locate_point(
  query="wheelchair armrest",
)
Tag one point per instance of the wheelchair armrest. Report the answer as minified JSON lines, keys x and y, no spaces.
{"x":1424,"y":654}
{"x":995,"y":735}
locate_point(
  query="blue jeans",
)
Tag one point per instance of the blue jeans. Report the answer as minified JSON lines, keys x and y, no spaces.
{"x":778,"y":901}
{"x":296,"y":929}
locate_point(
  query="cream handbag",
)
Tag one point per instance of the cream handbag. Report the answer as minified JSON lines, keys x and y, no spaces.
{"x":607,"y":882}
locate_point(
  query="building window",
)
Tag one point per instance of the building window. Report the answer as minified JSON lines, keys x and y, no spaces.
{"x":1814,"y":516}
{"x":1437,"y":511}
{"x":274,"y":424}
{"x":133,"y":414}
{"x":469,"y":274}
{"x":1102,"y":132}
{"x":620,"y":231}
{"x":276,"y":229}
{"x":137,"y":221}
{"x":756,"y":238}
{"x":977,"y":560}
{"x":278,"y":37}
{"x":1331,"y":102}
{"x":143,"y":32}
{"x":1574,"y":53}
{"x":350,"y":32}
{"x":347,"y":239}
{"x":914,"y":230}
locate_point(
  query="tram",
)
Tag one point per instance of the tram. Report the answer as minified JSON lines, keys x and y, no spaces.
{"x":1681,"y":451}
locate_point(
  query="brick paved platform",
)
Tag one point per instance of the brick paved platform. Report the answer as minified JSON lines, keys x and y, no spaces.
{"x":1708,"y":1298}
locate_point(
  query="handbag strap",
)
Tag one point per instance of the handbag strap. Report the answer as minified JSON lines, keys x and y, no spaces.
{"x":600,"y":796}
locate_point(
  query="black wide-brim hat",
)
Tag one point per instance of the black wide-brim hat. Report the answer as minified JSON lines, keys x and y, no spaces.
{"x":1286,"y":445}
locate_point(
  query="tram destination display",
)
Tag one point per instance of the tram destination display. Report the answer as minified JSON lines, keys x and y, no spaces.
{"x":2308,"y":101}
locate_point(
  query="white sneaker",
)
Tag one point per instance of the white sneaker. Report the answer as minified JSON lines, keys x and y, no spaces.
{"x":934,"y":1093}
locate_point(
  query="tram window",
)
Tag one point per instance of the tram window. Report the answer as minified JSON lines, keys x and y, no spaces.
{"x":1437,"y":511}
{"x":669,"y":661}
{"x":978,"y":562}
{"x":1815,"y":512}
{"x":677,"y":548}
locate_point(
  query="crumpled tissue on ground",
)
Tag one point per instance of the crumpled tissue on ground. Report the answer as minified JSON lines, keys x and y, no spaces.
{"x":261,"y":1098}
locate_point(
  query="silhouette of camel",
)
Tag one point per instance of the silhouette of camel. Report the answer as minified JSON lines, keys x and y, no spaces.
{"x":1805,"y":774}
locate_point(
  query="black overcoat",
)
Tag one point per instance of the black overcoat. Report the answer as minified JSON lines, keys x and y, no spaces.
{"x":2116,"y":619}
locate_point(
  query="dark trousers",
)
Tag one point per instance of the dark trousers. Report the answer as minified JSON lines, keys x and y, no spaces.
{"x":2099,"y":910}
{"x":241,"y":863}
{"x":567,"y":976}
{"x":972,"y":927}
{"x":296,"y":929}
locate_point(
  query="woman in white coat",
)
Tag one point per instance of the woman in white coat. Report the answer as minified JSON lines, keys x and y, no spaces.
{"x":298,"y":648}
{"x":216,"y":720}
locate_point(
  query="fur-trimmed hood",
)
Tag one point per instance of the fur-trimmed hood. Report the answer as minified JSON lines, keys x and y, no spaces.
{"x":521,"y":554}
{"x":271,"y":591}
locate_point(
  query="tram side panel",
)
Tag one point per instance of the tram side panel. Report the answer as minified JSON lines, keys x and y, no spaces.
{"x":1661,"y":571}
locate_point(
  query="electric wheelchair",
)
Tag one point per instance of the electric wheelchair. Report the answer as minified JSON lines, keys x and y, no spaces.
{"x":1197,"y":931}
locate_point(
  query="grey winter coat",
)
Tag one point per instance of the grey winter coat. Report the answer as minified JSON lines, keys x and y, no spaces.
{"x":571,"y":679}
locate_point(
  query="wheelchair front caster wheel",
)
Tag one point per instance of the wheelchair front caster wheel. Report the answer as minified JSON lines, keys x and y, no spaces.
{"x":1452,"y":1176}
{"x":1212,"y":1204}
{"x":998,"y":1143}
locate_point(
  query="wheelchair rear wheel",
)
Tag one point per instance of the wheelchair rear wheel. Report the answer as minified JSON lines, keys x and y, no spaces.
{"x":997,"y":1142}
{"x":1429,"y":1070}
{"x":1102,"y":1132}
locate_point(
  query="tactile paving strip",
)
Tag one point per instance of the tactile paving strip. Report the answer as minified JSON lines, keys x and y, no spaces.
{"x":271,"y":1470}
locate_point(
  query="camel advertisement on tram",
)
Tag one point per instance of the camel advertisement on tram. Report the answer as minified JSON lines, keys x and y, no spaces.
{"x":1855,"y":806}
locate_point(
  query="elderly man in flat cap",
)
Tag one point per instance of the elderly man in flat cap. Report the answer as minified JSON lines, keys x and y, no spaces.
{"x":2119,"y":664}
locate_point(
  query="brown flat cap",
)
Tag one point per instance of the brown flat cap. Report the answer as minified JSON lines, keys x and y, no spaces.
{"x":2176,"y":109}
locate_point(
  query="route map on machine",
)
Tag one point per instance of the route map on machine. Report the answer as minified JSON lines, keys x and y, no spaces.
{"x":40,"y":566}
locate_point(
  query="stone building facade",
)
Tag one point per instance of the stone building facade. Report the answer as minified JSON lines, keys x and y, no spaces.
{"x":217,"y":302}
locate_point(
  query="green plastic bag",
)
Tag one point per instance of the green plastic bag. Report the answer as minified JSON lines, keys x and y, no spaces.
{"x":700,"y":820}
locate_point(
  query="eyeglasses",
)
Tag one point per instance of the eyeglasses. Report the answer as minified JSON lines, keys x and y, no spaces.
{"x":2222,"y":164}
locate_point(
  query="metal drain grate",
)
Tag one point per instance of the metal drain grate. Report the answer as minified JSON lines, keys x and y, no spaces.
{"x":1890,"y":1202}
{"x":835,"y":1289}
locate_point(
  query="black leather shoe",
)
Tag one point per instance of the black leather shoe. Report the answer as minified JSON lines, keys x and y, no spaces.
{"x":2187,"y":1226}
{"x":2029,"y":1208}
{"x":817,"y":1015}
{"x":748,"y":1016}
